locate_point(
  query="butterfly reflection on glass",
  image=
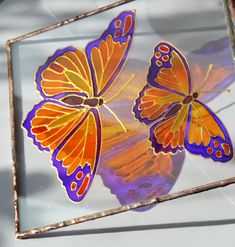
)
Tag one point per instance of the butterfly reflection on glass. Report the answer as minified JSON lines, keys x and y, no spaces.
{"x":179,"y":119}
{"x":72,"y":83}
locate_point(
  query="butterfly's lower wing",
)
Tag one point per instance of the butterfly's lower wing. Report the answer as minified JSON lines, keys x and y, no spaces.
{"x":168,"y":134}
{"x":107,"y":55}
{"x":73,"y":135}
{"x":133,"y":173}
{"x":206,"y":135}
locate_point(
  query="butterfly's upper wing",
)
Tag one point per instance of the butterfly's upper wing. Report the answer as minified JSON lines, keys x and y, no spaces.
{"x":206,"y":134}
{"x":107,"y":54}
{"x":169,"y":70}
{"x":168,"y":83}
{"x":67,"y":71}
{"x":73,"y":136}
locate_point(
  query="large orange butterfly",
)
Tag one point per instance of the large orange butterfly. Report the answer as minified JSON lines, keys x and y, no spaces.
{"x":180,"y":119}
{"x":72,"y":83}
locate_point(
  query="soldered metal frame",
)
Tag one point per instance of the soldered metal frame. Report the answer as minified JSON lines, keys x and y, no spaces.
{"x":16,"y":179}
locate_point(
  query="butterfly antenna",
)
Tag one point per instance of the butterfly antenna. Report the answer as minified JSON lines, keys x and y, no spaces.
{"x":122,"y":88}
{"x":206,"y":77}
{"x":116,"y":117}
{"x":215,"y":91}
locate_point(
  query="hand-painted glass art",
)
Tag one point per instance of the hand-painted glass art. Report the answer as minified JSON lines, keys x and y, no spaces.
{"x":172,"y":105}
{"x":67,"y":121}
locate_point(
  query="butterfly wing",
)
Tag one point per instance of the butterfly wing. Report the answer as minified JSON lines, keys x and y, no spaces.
{"x":206,"y":134}
{"x":107,"y":55}
{"x":73,"y":136}
{"x":168,"y":134}
{"x":168,"y":83}
{"x":67,"y":71}
{"x":132,"y":172}
{"x":169,"y":70}
{"x":216,"y":54}
{"x":153,"y":103}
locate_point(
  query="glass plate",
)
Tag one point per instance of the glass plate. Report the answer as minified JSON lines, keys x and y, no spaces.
{"x":199,"y":31}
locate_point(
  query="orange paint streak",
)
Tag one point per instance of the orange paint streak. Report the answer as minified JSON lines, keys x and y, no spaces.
{"x":67,"y":63}
{"x":117,"y":33}
{"x":158,"y":54}
{"x":175,"y":140}
{"x":104,"y":52}
{"x":218,"y":154}
{"x":182,"y":134}
{"x":73,"y":186}
{"x":83,"y":186}
{"x":226,"y":148}
{"x":56,"y":84}
{"x":158,"y":63}
{"x":216,"y":143}
{"x":79,"y":175}
{"x":118,"y":23}
{"x":39,"y":129}
{"x":48,"y":113}
{"x":51,"y":75}
{"x":158,"y":112}
{"x":209,"y":150}
{"x":80,"y":60}
{"x":164,"y":49}
{"x":39,"y":121}
{"x":116,"y":52}
{"x":56,"y":67}
{"x":127,"y":25}
{"x":145,"y":105}
{"x":165,"y":58}
{"x":206,"y":120}
{"x":167,"y":139}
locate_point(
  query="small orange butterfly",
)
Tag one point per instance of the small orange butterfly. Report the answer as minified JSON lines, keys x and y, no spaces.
{"x":179,"y":119}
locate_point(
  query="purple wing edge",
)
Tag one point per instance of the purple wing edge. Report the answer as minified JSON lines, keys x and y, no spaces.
{"x":202,"y":150}
{"x":61,"y":171}
{"x":38,"y":77}
{"x":154,"y":70}
{"x":26,"y":124}
{"x":111,"y":30}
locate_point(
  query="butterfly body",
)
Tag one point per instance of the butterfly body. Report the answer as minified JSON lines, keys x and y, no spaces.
{"x":67,"y":121}
{"x":79,"y":100}
{"x":180,"y":120}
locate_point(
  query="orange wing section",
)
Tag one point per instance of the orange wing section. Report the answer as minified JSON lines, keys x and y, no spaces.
{"x":137,"y":160}
{"x":202,"y":126}
{"x":65,"y":71}
{"x":53,"y":122}
{"x":168,"y":135}
{"x":106,"y":59}
{"x":81,"y":146}
{"x":153,"y":102}
{"x":175,"y":77}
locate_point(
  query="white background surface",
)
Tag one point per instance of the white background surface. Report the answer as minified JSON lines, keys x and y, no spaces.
{"x":208,"y":228}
